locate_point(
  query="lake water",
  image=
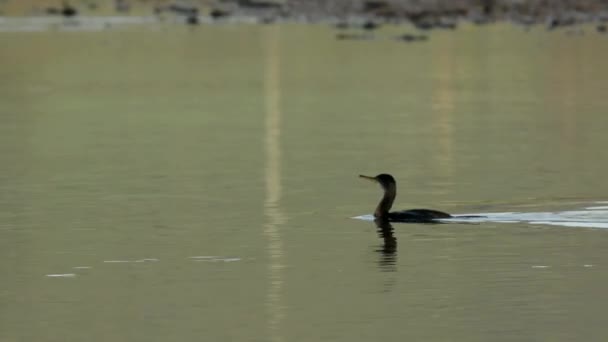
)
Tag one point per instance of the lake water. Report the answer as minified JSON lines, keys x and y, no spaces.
{"x":168,"y":183}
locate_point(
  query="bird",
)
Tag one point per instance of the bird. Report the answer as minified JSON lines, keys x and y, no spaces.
{"x":389,"y":185}
{"x":68,"y":11}
{"x":370,"y":25}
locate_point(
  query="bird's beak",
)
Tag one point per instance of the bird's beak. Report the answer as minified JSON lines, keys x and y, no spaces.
{"x":373,"y":179}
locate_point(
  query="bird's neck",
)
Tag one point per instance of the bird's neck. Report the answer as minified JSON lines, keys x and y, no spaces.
{"x":386,"y":202}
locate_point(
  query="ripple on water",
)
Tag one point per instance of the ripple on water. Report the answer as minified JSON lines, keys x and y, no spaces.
{"x":130,"y":261}
{"x":597,"y":208}
{"x":207,"y":258}
{"x":589,"y":217}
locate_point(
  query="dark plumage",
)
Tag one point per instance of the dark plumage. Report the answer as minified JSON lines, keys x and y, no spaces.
{"x":68,"y":11}
{"x":388,"y":184}
{"x":218,"y":14}
{"x":370,"y":25}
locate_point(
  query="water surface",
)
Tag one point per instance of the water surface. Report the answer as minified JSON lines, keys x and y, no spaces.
{"x":167,"y":183}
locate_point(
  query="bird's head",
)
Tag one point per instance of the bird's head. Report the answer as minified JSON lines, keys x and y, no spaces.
{"x":385,"y":180}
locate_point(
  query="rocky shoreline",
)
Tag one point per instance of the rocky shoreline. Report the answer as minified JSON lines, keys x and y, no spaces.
{"x":442,"y":14}
{"x":364,"y":14}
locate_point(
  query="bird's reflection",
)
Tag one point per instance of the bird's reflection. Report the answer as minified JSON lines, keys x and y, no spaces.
{"x":388,"y":249}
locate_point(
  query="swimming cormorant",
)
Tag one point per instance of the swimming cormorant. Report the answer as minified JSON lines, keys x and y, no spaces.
{"x":388,"y":184}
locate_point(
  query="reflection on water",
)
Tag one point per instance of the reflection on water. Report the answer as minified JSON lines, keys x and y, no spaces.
{"x":388,"y":249}
{"x":272,"y":208}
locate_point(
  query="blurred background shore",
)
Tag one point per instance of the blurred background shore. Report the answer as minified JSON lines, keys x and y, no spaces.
{"x":368,"y":14}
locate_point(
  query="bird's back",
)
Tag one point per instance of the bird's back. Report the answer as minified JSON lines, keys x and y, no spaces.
{"x":417,"y":215}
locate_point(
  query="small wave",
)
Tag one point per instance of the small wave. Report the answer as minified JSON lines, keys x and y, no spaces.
{"x":214,"y":259}
{"x":573,"y":224}
{"x":590,"y":217}
{"x":147,"y":260}
{"x":61,"y":275}
{"x":129,"y":261}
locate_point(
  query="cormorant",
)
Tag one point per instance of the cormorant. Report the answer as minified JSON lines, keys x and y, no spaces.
{"x":388,"y":184}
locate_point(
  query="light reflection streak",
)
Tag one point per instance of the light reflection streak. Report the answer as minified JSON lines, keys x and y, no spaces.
{"x":272,"y":210}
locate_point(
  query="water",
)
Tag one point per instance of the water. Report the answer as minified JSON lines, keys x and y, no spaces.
{"x":167,"y":183}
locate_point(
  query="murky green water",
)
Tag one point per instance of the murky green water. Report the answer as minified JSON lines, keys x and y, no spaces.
{"x":205,"y":180}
